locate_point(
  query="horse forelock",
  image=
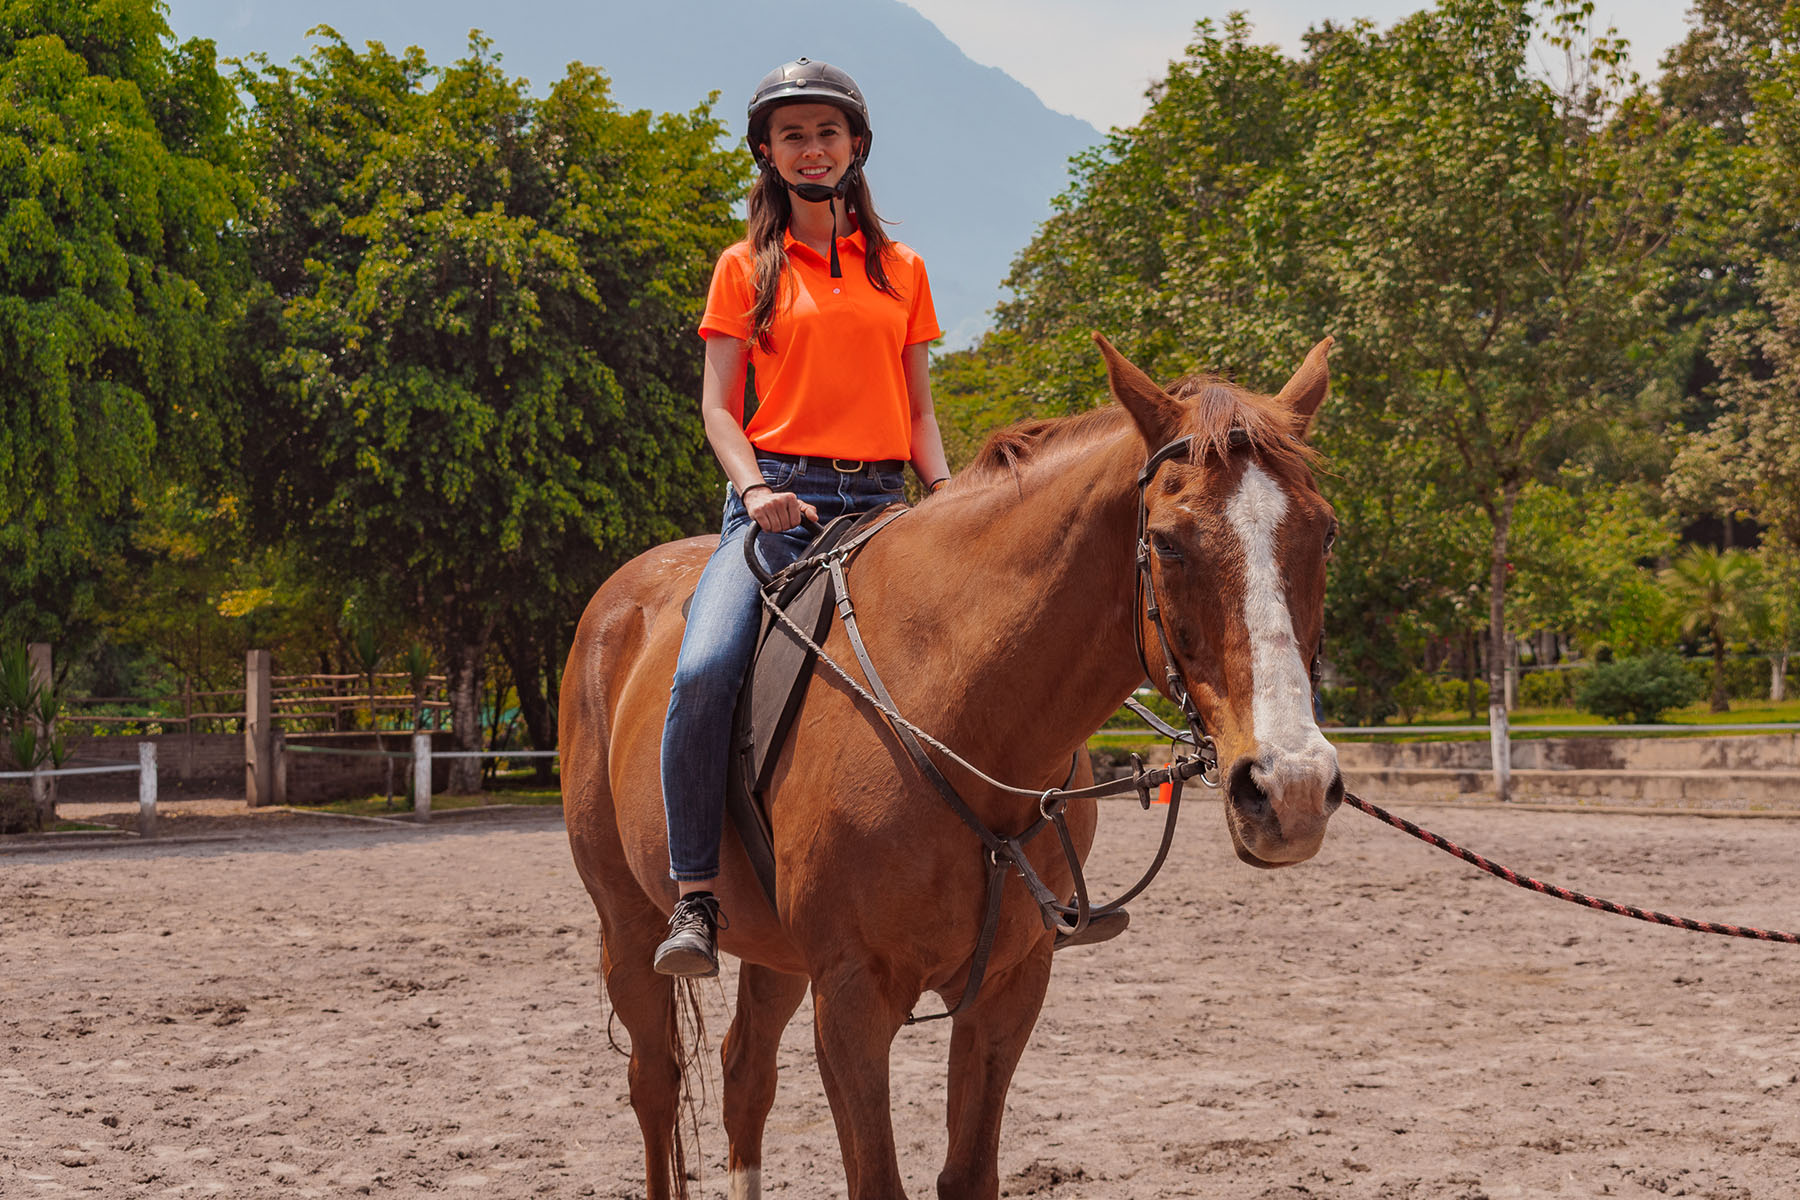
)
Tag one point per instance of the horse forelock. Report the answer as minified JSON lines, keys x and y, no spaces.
{"x":1217,"y":407}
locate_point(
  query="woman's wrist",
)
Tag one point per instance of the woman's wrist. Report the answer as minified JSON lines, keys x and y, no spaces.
{"x":937,"y":483}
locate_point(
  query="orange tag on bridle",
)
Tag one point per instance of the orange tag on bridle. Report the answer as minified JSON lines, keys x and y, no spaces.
{"x":1164,"y":790}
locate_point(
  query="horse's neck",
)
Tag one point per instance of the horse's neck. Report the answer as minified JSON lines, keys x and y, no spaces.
{"x":1017,"y":604}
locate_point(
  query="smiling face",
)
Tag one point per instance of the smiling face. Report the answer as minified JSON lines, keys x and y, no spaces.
{"x":811,"y":143}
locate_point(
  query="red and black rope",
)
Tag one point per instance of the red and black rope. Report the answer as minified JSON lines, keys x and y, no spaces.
{"x":1562,"y":893}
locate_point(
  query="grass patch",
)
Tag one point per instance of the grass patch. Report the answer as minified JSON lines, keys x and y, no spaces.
{"x":517,"y":787}
{"x":82,"y":827}
{"x":1520,"y":725}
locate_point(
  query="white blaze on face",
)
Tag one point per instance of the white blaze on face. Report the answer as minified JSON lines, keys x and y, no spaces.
{"x":1291,"y":750}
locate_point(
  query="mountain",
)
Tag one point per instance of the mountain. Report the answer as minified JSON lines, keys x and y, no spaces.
{"x":965,"y":160}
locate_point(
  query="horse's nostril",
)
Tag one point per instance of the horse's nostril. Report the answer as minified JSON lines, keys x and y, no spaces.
{"x":1246,"y":795}
{"x":1334,"y":795}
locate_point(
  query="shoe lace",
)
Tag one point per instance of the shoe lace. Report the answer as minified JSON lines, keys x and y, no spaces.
{"x":697,"y":916}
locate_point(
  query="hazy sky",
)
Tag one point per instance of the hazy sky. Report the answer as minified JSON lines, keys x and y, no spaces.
{"x":1094,"y":58}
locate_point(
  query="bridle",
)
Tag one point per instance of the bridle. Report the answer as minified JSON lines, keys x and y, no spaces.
{"x":1145,"y":602}
{"x":1174,"y":678}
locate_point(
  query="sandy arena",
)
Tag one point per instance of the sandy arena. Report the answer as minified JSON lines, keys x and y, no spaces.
{"x":336,"y":1009}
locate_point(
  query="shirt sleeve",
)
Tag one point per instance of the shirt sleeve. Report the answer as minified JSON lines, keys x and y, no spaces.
{"x":729,"y":299}
{"x":921,"y":319}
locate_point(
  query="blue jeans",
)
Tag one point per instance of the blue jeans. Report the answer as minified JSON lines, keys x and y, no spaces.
{"x":722,"y":624}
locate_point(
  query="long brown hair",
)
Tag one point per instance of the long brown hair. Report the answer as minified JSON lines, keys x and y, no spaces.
{"x":770,"y":208}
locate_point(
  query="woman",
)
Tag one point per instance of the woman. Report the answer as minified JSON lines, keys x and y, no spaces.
{"x":834,"y":321}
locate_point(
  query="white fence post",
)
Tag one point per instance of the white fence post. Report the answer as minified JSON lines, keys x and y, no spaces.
{"x":1500,"y":742}
{"x":259,"y":750}
{"x":422,"y":776}
{"x":147,"y":789}
{"x":43,"y":787}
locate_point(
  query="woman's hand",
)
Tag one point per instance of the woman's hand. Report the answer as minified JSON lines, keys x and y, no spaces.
{"x":775,"y":511}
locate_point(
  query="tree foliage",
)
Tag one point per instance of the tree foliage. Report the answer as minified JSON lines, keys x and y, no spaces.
{"x":475,"y":333}
{"x":119,"y":279}
{"x":1716,"y":596}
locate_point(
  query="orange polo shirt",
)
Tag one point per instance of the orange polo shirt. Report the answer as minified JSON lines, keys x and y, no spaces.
{"x":834,"y":386}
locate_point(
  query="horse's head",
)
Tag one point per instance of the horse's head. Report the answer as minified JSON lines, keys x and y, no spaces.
{"x":1237,"y":536}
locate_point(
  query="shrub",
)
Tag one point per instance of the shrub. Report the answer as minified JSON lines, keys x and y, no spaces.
{"x":1414,"y":695}
{"x":1450,"y":696}
{"x":1546,"y":689}
{"x":1638,"y":689}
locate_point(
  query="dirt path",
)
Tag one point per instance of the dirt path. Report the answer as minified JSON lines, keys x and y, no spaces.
{"x":362,"y":1010}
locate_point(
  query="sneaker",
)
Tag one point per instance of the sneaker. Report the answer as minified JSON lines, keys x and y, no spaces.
{"x":691,"y":949}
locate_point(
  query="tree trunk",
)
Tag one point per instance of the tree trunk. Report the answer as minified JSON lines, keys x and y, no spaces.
{"x":529,"y":678}
{"x":1499,"y":644}
{"x":1778,"y":676}
{"x":464,"y":684}
{"x":1720,"y":701}
{"x":1470,"y":667}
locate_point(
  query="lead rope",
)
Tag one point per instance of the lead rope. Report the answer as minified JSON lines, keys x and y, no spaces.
{"x":1563,"y":893}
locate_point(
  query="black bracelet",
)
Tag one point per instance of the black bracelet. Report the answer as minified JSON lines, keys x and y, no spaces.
{"x":937,"y":483}
{"x":743,"y":492}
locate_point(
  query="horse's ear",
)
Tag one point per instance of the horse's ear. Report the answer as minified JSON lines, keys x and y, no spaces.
{"x":1306,"y":390}
{"x":1158,"y":415}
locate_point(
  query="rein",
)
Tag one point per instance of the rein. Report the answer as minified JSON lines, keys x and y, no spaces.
{"x":1563,"y":893}
{"x":1005,"y":854}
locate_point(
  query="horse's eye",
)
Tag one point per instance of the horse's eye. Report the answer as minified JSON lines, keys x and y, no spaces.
{"x":1330,"y":539}
{"x":1164,"y":548}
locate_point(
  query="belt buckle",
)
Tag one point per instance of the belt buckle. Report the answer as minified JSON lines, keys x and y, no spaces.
{"x":847,"y":466}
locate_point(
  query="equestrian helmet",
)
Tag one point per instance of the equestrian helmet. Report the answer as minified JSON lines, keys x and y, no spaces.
{"x":804,"y":80}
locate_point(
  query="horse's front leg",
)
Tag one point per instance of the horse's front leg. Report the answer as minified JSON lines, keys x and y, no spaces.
{"x":766,"y":1002}
{"x":856,"y":1014}
{"x":985,"y":1044}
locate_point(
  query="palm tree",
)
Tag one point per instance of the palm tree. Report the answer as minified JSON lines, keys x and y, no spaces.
{"x":1716,"y":595}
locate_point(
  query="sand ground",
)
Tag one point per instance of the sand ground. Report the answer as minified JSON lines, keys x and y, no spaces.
{"x":338,"y":1009}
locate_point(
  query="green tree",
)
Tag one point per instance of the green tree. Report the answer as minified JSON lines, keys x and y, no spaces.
{"x":1715,"y":593}
{"x":1745,"y":211}
{"x":1484,"y":234}
{"x":119,"y":286}
{"x":477,"y":318}
{"x":1580,"y":555}
{"x":1711,"y":76}
{"x":1776,"y":616}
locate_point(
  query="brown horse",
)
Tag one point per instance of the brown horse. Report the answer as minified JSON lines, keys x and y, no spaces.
{"x":1000,"y":612}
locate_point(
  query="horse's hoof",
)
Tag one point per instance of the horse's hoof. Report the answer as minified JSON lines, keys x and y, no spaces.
{"x":1099,"y":929}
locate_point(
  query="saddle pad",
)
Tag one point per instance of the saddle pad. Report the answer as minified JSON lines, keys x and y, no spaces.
{"x":772,"y":694}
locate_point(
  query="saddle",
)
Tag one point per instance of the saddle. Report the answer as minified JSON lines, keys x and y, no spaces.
{"x":774,"y":687}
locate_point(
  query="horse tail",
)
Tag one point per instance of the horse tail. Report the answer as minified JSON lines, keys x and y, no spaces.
{"x":687,"y":1045}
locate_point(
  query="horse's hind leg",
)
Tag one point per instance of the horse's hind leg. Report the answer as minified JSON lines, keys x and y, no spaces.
{"x":985,"y":1045}
{"x":766,"y":1002}
{"x":645,"y":1003}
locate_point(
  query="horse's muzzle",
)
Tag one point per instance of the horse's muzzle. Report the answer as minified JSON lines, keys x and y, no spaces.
{"x":1283,"y":828}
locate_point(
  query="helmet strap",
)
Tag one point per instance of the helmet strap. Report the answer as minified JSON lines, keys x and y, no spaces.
{"x":837,"y":272}
{"x":815,"y":192}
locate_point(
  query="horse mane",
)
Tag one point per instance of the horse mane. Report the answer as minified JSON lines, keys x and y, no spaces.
{"x":1215,"y":408}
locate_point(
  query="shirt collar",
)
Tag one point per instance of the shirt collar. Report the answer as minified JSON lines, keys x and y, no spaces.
{"x":849,"y":241}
